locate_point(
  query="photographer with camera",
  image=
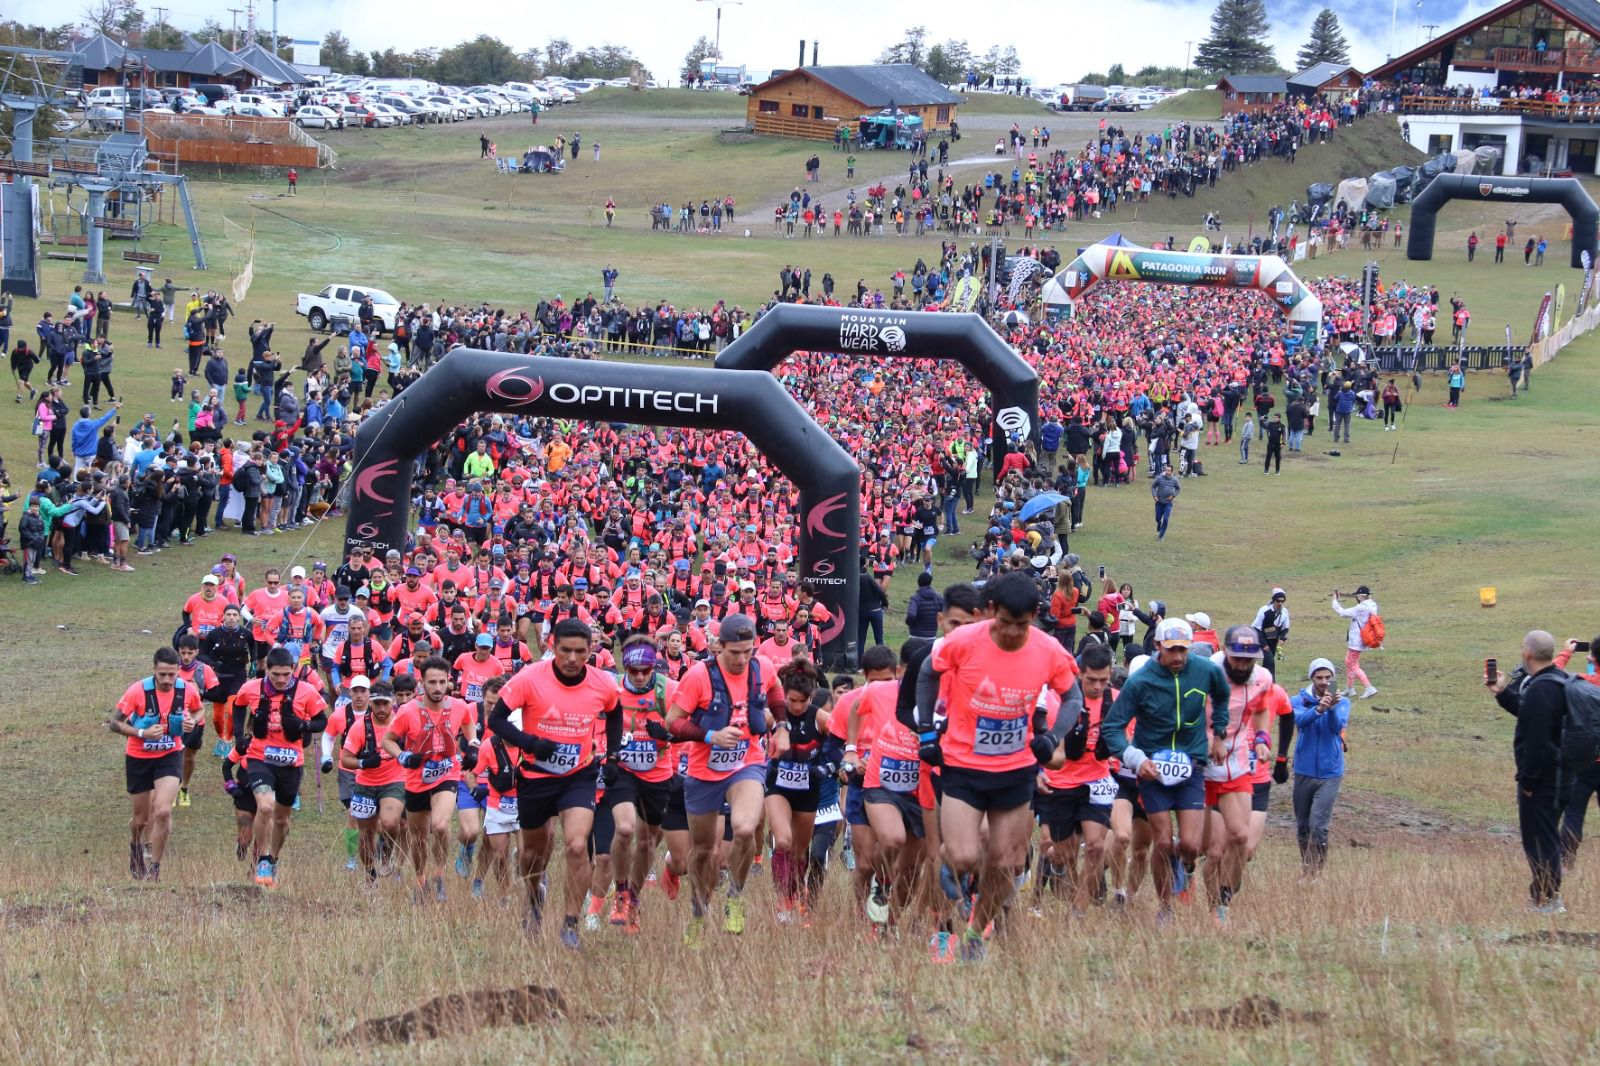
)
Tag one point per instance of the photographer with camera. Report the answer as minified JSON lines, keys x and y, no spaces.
{"x":1536,"y":695}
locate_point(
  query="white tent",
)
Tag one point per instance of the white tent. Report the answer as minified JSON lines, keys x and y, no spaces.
{"x":1352,"y":192}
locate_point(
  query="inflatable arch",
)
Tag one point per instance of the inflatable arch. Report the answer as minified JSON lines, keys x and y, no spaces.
{"x":1264,"y":273}
{"x":468,"y":380}
{"x":1568,"y":192}
{"x":965,"y":338}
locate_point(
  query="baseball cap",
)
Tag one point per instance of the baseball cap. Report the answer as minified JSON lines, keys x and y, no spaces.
{"x":1279,"y":594}
{"x":363,"y":591}
{"x":342,"y":592}
{"x":1175,"y":632}
{"x":319,"y":565}
{"x":639,"y":657}
{"x":1199,"y":619}
{"x":580,"y":582}
{"x":1242,"y":642}
{"x":382,"y":691}
{"x":360,"y":681}
{"x":1158,"y":607}
{"x":485,"y":640}
{"x":1362,"y":590}
{"x":209,"y":579}
{"x":412,"y":571}
{"x":743,"y":585}
{"x":1137,"y":663}
{"x":298,"y":571}
{"x":736,"y":627}
{"x":1318,"y":664}
{"x":702,"y":603}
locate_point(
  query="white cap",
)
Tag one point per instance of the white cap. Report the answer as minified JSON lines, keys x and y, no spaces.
{"x":359,"y":681}
{"x":1174,"y":631}
{"x":1137,"y":664}
{"x":1199,"y":619}
{"x":1319,"y":664}
{"x":298,"y":571}
{"x":209,"y":579}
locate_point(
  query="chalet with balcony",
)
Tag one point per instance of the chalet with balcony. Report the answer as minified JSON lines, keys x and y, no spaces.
{"x":1523,"y":77}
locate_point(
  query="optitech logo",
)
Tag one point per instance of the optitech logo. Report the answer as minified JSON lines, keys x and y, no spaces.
{"x":1015,"y":423}
{"x":872,"y":333}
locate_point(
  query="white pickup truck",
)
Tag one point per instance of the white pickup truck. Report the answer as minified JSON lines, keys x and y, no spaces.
{"x":343,"y":302}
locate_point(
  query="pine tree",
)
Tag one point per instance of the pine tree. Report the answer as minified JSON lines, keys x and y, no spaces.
{"x":1238,"y":41}
{"x":1327,"y":44}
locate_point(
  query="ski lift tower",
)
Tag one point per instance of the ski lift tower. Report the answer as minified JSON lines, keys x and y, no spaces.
{"x":31,"y":79}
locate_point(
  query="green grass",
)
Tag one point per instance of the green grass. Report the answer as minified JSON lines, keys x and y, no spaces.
{"x":662,"y":102}
{"x":1404,"y":946}
{"x":1197,"y":103}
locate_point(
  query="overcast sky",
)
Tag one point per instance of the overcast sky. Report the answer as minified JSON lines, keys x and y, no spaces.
{"x":1049,"y":35}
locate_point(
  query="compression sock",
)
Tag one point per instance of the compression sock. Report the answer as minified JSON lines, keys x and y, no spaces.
{"x":781,"y":871}
{"x":352,"y":836}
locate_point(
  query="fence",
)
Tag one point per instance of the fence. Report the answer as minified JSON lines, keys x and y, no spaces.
{"x":232,"y":140}
{"x":1393,"y":360}
{"x":1545,"y":350}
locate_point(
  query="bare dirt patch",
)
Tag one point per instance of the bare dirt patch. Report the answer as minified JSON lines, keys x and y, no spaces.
{"x":462,"y":1013}
{"x":1557,"y":938}
{"x":1251,"y":1012}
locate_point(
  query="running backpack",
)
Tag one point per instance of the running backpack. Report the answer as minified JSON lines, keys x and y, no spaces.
{"x":1580,"y":727}
{"x":1373,"y":631}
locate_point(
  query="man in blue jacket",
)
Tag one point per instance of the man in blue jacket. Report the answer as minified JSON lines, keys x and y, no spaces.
{"x":1320,"y":717}
{"x":86,"y":435}
{"x":1166,"y":701}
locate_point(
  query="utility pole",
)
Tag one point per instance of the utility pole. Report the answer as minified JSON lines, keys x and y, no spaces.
{"x":1188,"y":53}
{"x":717,"y":44}
{"x":161,"y":15}
{"x":274,"y":27}
{"x":233,"y":34}
{"x":1430,"y":27}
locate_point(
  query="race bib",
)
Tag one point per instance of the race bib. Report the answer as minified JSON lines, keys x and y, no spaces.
{"x":794,"y":776}
{"x":999,"y":736}
{"x":899,"y":775}
{"x":435,"y":769}
{"x":683,"y":764}
{"x":1103,"y":791}
{"x":474,"y":691}
{"x":1173,"y":767}
{"x":165,"y":742}
{"x":726,"y":760}
{"x":639,"y":755}
{"x":279,"y":756}
{"x":508,"y":805}
{"x":563,"y":760}
{"x":830,"y":813}
{"x":363,"y":807}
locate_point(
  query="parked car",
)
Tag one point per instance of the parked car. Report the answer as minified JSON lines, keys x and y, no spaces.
{"x":323,"y":118}
{"x":390,"y":116}
{"x":343,"y":300}
{"x":103,"y":117}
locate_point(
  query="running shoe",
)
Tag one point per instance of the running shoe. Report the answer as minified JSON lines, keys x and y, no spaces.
{"x":264,"y":876}
{"x":463,"y":861}
{"x":631,"y":926}
{"x":153,"y":872}
{"x":694,"y":933}
{"x":296,"y":803}
{"x":785,"y":912}
{"x":942,"y":948}
{"x":438,"y":889}
{"x":350,"y":864}
{"x":973,"y":949}
{"x":669,"y":882}
{"x":220,"y":749}
{"x":591,"y":922}
{"x":183,"y":797}
{"x":733,"y":916}
{"x":1550,"y":908}
{"x":569,"y":936}
{"x":877,"y":904}
{"x":619,"y":909}
{"x":1219,"y":915}
{"x":477,"y":888}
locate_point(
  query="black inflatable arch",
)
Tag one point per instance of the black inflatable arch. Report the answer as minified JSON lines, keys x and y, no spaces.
{"x":468,"y":380}
{"x":966,"y":338}
{"x":1568,"y":192}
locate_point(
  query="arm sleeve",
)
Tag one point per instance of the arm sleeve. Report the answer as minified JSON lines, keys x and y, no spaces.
{"x":927,"y":694}
{"x":1069,"y":715}
{"x":1285,"y":734}
{"x":500,"y":725}
{"x":614,"y":733}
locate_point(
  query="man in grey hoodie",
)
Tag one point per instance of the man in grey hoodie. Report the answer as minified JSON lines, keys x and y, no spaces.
{"x":1164,"y":489}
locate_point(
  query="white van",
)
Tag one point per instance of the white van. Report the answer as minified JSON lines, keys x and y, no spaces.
{"x":107,"y":96}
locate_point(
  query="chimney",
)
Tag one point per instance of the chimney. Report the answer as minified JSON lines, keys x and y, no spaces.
{"x":802,"y":52}
{"x":813,"y":53}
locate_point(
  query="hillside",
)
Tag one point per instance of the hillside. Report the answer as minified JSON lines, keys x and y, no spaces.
{"x":1371,"y":145}
{"x":1201,"y":103}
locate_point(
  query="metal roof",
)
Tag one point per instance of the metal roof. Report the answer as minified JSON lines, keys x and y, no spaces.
{"x":1255,"y":83}
{"x":1584,"y":13}
{"x":267,"y":66}
{"x":1320,"y":74}
{"x":876,"y":85}
{"x":101,"y":53}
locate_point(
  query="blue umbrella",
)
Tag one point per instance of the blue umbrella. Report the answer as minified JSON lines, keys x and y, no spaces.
{"x":1039,"y":504}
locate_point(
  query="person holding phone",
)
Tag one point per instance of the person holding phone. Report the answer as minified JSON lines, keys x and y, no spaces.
{"x":1536,"y":695}
{"x":1320,"y":717}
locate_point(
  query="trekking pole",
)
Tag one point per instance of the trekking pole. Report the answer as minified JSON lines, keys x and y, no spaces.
{"x":320,"y":776}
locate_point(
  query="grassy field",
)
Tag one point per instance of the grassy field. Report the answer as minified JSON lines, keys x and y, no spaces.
{"x":1407,"y":949}
{"x":1198,"y":103}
